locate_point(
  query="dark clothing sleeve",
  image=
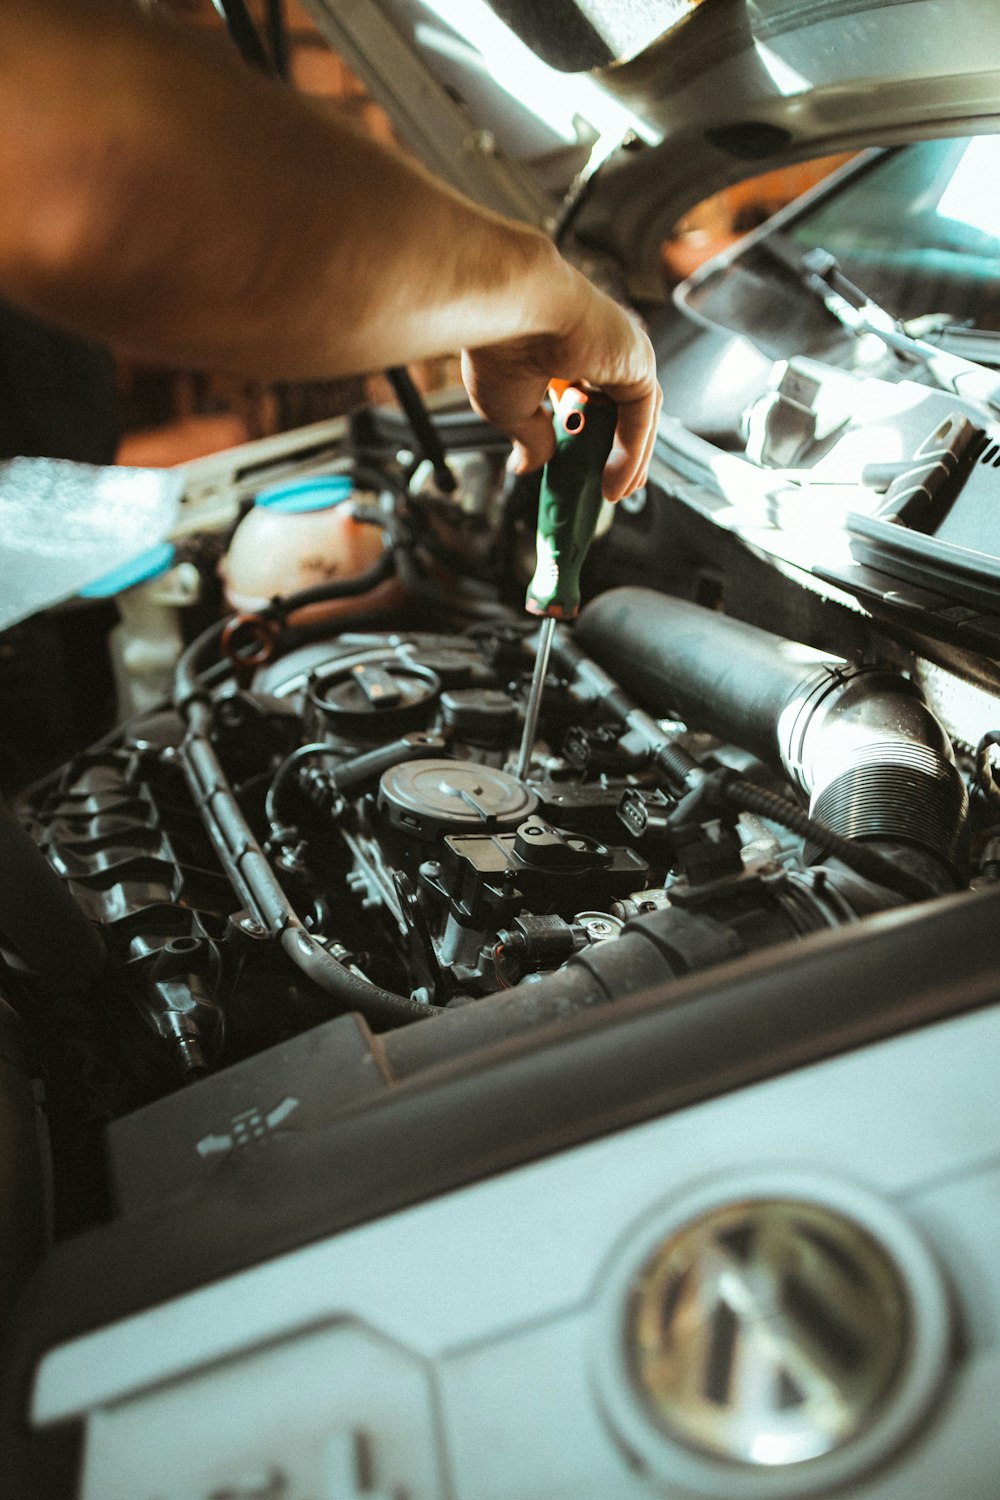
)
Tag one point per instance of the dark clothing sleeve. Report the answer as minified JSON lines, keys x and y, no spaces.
{"x":57,"y":393}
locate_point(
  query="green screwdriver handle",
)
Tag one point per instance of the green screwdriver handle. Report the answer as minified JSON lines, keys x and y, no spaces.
{"x":570,"y":501}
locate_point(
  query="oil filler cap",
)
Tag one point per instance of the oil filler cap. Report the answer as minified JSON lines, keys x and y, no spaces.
{"x":373,"y":699}
{"x":771,"y":1337}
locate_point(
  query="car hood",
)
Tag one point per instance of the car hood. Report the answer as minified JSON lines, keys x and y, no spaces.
{"x":605,"y":120}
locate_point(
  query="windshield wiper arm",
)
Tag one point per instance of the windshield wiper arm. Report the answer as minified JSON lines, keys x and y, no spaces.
{"x":820,"y":273}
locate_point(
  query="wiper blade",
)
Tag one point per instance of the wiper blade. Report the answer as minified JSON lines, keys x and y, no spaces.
{"x":820,"y":274}
{"x":980,"y":345}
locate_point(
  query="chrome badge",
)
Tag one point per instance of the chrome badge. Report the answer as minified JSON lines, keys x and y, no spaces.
{"x":767,"y":1332}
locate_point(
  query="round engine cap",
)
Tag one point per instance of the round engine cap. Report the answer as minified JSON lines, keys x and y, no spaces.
{"x":772,"y":1340}
{"x":431,"y":797}
{"x":374,"y":697}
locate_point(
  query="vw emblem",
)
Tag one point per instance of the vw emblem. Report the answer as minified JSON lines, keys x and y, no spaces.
{"x":767,"y":1332}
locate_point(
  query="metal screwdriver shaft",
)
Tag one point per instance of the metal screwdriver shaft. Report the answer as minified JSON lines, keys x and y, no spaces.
{"x":542,"y":654}
{"x":568,"y":509}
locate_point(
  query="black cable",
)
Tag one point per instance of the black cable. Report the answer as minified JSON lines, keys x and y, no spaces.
{"x":682,"y":770}
{"x":425,"y":433}
{"x":192,"y":665}
{"x":277,"y":36}
{"x":284,"y":774}
{"x":241,"y":28}
{"x":248,"y":868}
{"x":341,"y":588}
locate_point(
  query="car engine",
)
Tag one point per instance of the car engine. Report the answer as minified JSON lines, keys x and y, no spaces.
{"x":324,"y":822}
{"x":347,"y":827}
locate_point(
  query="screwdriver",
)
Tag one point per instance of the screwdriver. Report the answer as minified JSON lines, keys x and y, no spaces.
{"x":568,"y":509}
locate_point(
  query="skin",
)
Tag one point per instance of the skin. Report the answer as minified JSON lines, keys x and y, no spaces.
{"x":160,"y":196}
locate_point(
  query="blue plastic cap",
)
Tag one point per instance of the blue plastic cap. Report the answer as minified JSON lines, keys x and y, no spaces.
{"x":299,"y":495}
{"x":137,"y":570}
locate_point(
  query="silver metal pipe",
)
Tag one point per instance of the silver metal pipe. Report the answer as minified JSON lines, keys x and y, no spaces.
{"x":533,"y":709}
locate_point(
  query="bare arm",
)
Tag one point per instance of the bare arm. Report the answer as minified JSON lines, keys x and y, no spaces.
{"x":158,"y":195}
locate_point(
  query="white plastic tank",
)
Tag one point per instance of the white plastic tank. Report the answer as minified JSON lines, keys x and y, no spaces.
{"x":149,"y":591}
{"x":298,"y":535}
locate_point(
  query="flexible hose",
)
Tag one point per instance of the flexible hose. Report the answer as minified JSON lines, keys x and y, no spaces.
{"x":422,"y":426}
{"x":251,"y":873}
{"x":194,"y":659}
{"x":343,"y":588}
{"x":744,"y":796}
{"x":684,"y":772}
{"x":381,"y":1008}
{"x":715,"y":672}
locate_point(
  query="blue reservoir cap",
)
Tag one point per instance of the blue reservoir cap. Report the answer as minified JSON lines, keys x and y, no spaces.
{"x":137,"y":570}
{"x":299,"y":495}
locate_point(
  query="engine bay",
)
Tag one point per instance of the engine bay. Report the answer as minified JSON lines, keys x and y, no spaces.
{"x":332,"y":821}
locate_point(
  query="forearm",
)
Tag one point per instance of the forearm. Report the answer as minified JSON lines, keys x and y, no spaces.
{"x":160,"y":197}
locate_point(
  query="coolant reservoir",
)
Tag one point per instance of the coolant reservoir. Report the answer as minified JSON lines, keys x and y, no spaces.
{"x":301,"y":534}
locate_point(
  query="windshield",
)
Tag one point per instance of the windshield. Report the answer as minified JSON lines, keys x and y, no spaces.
{"x":918,"y":229}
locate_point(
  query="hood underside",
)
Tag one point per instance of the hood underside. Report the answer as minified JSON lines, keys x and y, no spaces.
{"x":606,"y":121}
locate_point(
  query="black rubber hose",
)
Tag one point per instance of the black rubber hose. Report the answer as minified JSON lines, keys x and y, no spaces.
{"x":342,"y":588}
{"x":653,"y":950}
{"x":39,"y":920}
{"x":195,"y":659}
{"x":716,"y":673}
{"x":382,"y":1009}
{"x":250,"y":872}
{"x":425,"y":433}
{"x":241,"y":28}
{"x":684,"y":772}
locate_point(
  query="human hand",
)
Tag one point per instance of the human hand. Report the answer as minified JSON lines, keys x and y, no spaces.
{"x":599,"y":343}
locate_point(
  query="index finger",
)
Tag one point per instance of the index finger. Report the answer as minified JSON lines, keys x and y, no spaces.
{"x":635,"y":435}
